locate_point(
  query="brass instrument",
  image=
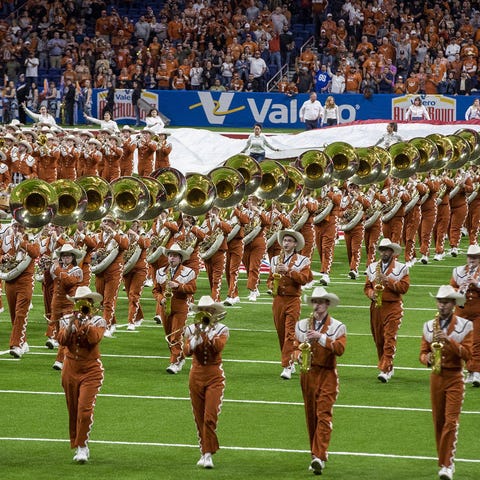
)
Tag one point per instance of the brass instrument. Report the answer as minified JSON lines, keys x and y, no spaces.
{"x":436,"y":347}
{"x":277,"y":276}
{"x":168,"y":294}
{"x":131,"y":198}
{"x":33,"y":203}
{"x":428,"y":151}
{"x":344,"y":159}
{"x":473,"y":138}
{"x":72,"y":202}
{"x":249,"y":168}
{"x":158,"y":198}
{"x":369,"y":166}
{"x":444,"y":147}
{"x":274,"y":180}
{"x":472,"y":274}
{"x":229,"y":185}
{"x":379,"y":288}
{"x":461,"y":152}
{"x":99,"y":197}
{"x":295,"y":186}
{"x":85,"y":308}
{"x":405,"y":159}
{"x":385,"y":160}
{"x":205,"y":321}
{"x":306,"y":348}
{"x":173,"y":182}
{"x":199,"y":196}
{"x":316,"y":167}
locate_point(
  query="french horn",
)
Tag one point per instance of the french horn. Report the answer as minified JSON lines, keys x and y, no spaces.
{"x":99,"y":197}
{"x":131,"y":198}
{"x":72,"y":202}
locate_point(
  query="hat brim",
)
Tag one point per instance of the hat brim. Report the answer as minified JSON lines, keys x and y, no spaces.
{"x":458,"y":298}
{"x":76,"y":253}
{"x":397,"y":249}
{"x":183,"y":253}
{"x":331,"y":297}
{"x":296,"y":235}
{"x":94,"y":296}
{"x":217,"y":307}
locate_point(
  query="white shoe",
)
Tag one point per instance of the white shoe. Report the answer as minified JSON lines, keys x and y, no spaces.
{"x":317,"y":466}
{"x":207,"y":461}
{"x":309,"y":285}
{"x":180,"y":365}
{"x":410,"y":263}
{"x":113,"y":328}
{"x":82,"y":455}
{"x":57,"y":365}
{"x":325,"y":280}
{"x":353,"y":274}
{"x":454,"y":251}
{"x":2,"y":309}
{"x":16,"y":352}
{"x":253,"y":296}
{"x":172,"y":368}
{"x":438,"y":257}
{"x":476,"y":379}
{"x":108,"y":333}
{"x":148,"y":282}
{"x":469,"y":378}
{"x":51,"y":343}
{"x":25,"y":348}
{"x":158,"y":319}
{"x":131,"y":327}
{"x":235,"y":300}
{"x":228,"y":302}
{"x":384,"y":377}
{"x":287,"y":372}
{"x":139,"y":322}
{"x":445,"y":473}
{"x":424,"y":259}
{"x":201,"y":462}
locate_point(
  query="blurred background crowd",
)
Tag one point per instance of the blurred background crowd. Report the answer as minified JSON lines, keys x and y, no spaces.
{"x":53,"y":48}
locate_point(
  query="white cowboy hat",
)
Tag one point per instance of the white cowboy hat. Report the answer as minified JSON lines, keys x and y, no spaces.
{"x":387,"y":243}
{"x":87,"y":133}
{"x":176,"y":248}
{"x":148,"y":130}
{"x":72,"y":138}
{"x":292,"y":233}
{"x":319,"y":293}
{"x":85,"y":292}
{"x":448,"y":292}
{"x":69,"y":249}
{"x":207,"y":302}
{"x":164,"y":132}
{"x":94,"y":141}
{"x":117,"y":139}
{"x":127,"y":128}
{"x":110,"y":218}
{"x":473,"y":251}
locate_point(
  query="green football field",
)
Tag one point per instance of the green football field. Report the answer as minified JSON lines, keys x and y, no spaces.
{"x":144,"y":426}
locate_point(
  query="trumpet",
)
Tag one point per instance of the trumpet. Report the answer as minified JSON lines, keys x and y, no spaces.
{"x":204,"y":322}
{"x":436,"y":347}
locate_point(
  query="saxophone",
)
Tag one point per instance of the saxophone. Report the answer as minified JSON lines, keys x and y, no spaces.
{"x":379,"y":288}
{"x":168,"y":293}
{"x":306,"y":349}
{"x":436,"y":347}
{"x":278,"y":276}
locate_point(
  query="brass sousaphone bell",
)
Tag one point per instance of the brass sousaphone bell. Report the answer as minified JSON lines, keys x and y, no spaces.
{"x":369,"y":166}
{"x":229,"y":185}
{"x":249,"y":169}
{"x":344,"y":159}
{"x":461,"y":152}
{"x":316,"y":168}
{"x":131,"y":198}
{"x":99,"y":197}
{"x":405,"y":159}
{"x":173,"y":182}
{"x":274,"y":180}
{"x":33,"y":203}
{"x":385,"y":160}
{"x":295,"y":186}
{"x":473,"y":138}
{"x":199,"y":195}
{"x":158,"y":198}
{"x":428,"y":151}
{"x":72,"y":202}
{"x":444,"y":147}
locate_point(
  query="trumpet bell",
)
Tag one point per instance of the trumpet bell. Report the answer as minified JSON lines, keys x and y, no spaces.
{"x":99,"y":197}
{"x":385,"y":160}
{"x":131,"y":198}
{"x":316,"y":167}
{"x":274,"y":180}
{"x":444,"y":147}
{"x":405,"y":159}
{"x":158,"y":197}
{"x":369,"y":166}
{"x":72,"y":202}
{"x":461,"y":152}
{"x":173,"y":182}
{"x":295,"y":186}
{"x":199,"y":196}
{"x":473,"y":138}
{"x":344,"y":159}
{"x":428,"y":153}
{"x":33,"y":203}
{"x":229,"y":185}
{"x":249,"y":169}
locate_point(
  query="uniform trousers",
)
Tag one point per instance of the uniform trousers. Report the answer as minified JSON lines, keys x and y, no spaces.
{"x":206,"y":384}
{"x":457,"y":219}
{"x":372,"y":236}
{"x":215,"y":266}
{"x":232,"y":265}
{"x":319,"y":390}
{"x":384,"y":324}
{"x":393,"y":229}
{"x":410,"y":229}
{"x":427,"y":224}
{"x":353,"y":242}
{"x":47,"y":289}
{"x":473,"y":221}
{"x":446,"y":393}
{"x":107,"y":284}
{"x":286,"y":312}
{"x":472,"y":313}
{"x":134,"y":281}
{"x":252,"y":259}
{"x":441,"y":227}
{"x":19,"y":295}
{"x":325,"y":233}
{"x":81,"y":381}
{"x":174,"y":325}
{"x":309,"y":237}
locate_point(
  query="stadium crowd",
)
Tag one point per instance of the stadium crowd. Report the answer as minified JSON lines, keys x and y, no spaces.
{"x":352,"y":46}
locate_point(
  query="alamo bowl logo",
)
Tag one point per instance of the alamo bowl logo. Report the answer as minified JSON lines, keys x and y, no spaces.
{"x":440,"y":108}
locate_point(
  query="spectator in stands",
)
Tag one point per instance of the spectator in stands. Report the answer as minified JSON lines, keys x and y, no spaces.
{"x":287,"y":45}
{"x":323,"y":80}
{"x":236,"y":85}
{"x":56,"y":47}
{"x":258,"y":69}
{"x":338,"y":80}
{"x":242,"y":66}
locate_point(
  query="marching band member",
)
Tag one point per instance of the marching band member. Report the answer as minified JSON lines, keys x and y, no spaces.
{"x":85,"y":242}
{"x":234,"y":255}
{"x":19,"y":290}
{"x":373,"y":232}
{"x":451,"y":336}
{"x":307,"y":204}
{"x":190,"y":234}
{"x":107,"y":282}
{"x":394,"y":191}
{"x":129,"y":146}
{"x":68,"y":159}
{"x":288,"y":272}
{"x":82,"y":374}
{"x":146,"y":148}
{"x":387,"y":280}
{"x":46,"y":156}
{"x":473,"y":218}
{"x":440,"y":229}
{"x":134,"y":280}
{"x":324,"y":339}
{"x":352,"y":200}
{"x":325,"y":231}
{"x":5,"y":177}
{"x":164,"y":149}
{"x":67,"y":276}
{"x":91,"y":160}
{"x":254,"y":250}
{"x":278,"y":221}
{"x":465,"y":280}
{"x":458,"y":209}
{"x":215,"y":265}
{"x":204,"y":342}
{"x":428,"y":216}
{"x":112,"y":153}
{"x":23,"y":164}
{"x":175,"y":285}
{"x":9,"y":148}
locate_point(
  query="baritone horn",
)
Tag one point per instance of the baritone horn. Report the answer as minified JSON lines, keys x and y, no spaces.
{"x":33,"y":203}
{"x":229,"y":185}
{"x":274,"y":180}
{"x":316,"y":167}
{"x":344,"y":159}
{"x":173,"y":182}
{"x":72,"y":202}
{"x":249,"y":168}
{"x":131,"y":198}
{"x":99,"y":197}
{"x":199,"y":195}
{"x":405,"y":159}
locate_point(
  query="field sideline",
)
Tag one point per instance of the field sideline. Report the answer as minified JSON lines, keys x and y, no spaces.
{"x":144,"y":427}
